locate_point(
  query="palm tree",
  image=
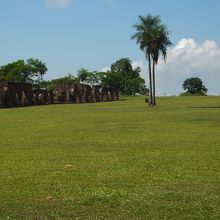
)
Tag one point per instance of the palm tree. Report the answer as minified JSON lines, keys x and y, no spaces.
{"x":159,"y":45}
{"x":153,"y":38}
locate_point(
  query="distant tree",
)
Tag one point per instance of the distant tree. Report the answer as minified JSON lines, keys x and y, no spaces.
{"x":31,"y":71}
{"x":92,"y":78}
{"x":112,"y":79}
{"x":136,"y":85}
{"x":128,"y":78}
{"x":50,"y":84}
{"x":44,"y":84}
{"x":194,"y":86}
{"x":37,"y":68}
{"x":123,"y":77}
{"x":153,"y":39}
{"x":83,"y":75}
{"x":124,"y":67}
{"x":87,"y":77}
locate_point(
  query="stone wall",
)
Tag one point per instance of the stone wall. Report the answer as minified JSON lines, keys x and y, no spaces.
{"x":3,"y":89}
{"x":14,"y":94}
{"x":79,"y":93}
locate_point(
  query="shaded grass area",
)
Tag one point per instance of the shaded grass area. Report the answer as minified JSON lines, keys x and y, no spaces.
{"x":118,"y":160}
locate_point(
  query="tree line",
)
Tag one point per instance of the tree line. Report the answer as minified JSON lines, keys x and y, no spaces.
{"x":121,"y":76}
{"x":151,"y":35}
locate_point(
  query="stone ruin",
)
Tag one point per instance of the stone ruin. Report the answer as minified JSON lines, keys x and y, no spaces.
{"x":14,"y":94}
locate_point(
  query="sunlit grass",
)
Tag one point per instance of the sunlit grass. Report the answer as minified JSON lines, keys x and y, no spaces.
{"x":116,"y":160}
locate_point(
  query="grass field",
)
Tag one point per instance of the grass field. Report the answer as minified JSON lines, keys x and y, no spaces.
{"x":118,"y":160}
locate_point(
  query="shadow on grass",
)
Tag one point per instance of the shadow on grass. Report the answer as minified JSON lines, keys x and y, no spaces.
{"x":204,"y":107}
{"x":122,"y":100}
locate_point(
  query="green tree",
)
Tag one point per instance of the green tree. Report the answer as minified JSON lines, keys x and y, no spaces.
{"x":159,"y":46}
{"x":132,"y":82}
{"x":153,"y":39}
{"x":111,"y":79}
{"x":124,"y":67}
{"x":83,"y":75}
{"x":136,"y":85}
{"x":37,"y":69}
{"x":194,"y":86}
{"x":87,"y":77}
{"x":123,"y":77}
{"x":92,"y":78}
{"x":50,"y":84}
{"x":31,"y":71}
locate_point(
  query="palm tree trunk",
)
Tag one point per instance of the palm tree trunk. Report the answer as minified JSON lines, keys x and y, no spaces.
{"x":150,"y":81}
{"x":154,"y":85}
{"x":125,"y":85}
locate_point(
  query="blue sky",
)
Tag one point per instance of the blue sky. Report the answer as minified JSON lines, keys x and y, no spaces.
{"x":69,"y":34}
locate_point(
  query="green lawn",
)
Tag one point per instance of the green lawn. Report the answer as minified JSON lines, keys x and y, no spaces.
{"x":116,"y":160}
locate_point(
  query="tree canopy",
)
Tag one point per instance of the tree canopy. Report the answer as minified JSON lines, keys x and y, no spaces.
{"x":127,"y":78}
{"x":50,"y":84}
{"x":31,"y":71}
{"x":88,"y":77}
{"x":194,"y":86}
{"x":122,"y":76}
{"x":153,"y":39}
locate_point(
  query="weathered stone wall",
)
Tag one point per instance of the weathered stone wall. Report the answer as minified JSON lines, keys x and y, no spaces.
{"x":42,"y":97}
{"x":79,"y":93}
{"x":21,"y":94}
{"x":15,"y":94}
{"x":3,"y":90}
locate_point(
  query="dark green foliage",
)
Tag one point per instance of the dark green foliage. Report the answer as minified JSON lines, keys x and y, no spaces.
{"x":83,"y":75}
{"x":122,"y":66}
{"x":87,"y":77}
{"x":112,"y":79}
{"x":136,"y":85}
{"x":127,"y":78}
{"x":194,"y":86}
{"x":69,"y":79}
{"x":92,"y":78}
{"x":122,"y":76}
{"x":31,"y":71}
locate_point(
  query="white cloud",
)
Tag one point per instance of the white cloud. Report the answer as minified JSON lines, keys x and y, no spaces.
{"x":189,"y":57}
{"x":186,"y":59}
{"x":57,"y":3}
{"x":105,"y":69}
